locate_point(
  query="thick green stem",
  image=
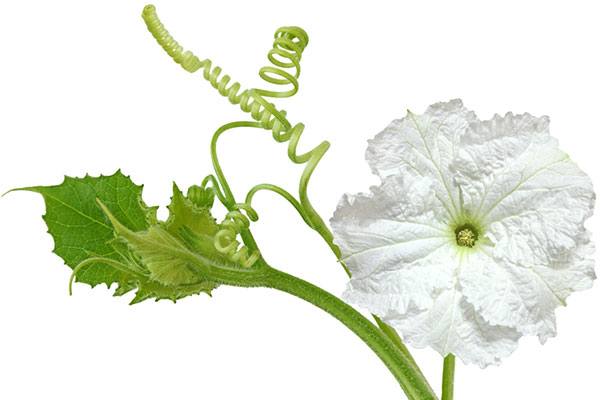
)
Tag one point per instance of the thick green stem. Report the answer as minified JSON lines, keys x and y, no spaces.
{"x":448,"y":378}
{"x":410,"y":378}
{"x":395,"y":338}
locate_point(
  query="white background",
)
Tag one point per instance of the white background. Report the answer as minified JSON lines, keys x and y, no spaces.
{"x":84,"y":88}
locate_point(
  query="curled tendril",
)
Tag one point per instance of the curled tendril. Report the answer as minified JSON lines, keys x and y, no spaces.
{"x":186,"y":59}
{"x":226,"y":239}
{"x":285,"y":55}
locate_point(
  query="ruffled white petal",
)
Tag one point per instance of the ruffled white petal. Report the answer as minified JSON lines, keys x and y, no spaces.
{"x":393,"y":245}
{"x":522,"y":296}
{"x":533,"y":201}
{"x":424,"y":146}
{"x":510,"y":296}
{"x":409,"y":284}
{"x":507,"y":176}
{"x":490,"y":150}
{"x":452,"y":326}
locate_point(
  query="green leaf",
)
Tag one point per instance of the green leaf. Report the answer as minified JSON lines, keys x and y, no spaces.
{"x":81,"y":230}
{"x":94,"y":222}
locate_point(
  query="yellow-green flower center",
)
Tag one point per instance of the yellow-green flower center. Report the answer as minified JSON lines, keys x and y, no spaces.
{"x":466,"y":236}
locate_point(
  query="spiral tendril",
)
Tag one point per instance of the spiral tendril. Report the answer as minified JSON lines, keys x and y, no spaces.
{"x":285,"y":55}
{"x":186,"y":59}
{"x":226,"y":239}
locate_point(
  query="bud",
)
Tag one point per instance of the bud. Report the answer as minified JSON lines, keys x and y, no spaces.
{"x":201,"y":197}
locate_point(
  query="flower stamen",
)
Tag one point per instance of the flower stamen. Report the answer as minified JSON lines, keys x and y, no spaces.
{"x":466,"y":236}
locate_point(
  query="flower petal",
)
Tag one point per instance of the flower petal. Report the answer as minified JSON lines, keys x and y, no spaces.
{"x":391,"y":236}
{"x":424,"y":146}
{"x":524,"y":297}
{"x":405,"y":285}
{"x":452,"y":326}
{"x":490,"y":149}
{"x":534,"y":201}
{"x":517,"y":182}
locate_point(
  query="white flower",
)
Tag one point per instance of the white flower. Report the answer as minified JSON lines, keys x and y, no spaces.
{"x":475,"y":235}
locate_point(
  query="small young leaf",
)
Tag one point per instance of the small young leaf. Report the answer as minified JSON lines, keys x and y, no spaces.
{"x":195,"y":216}
{"x":165,"y":257}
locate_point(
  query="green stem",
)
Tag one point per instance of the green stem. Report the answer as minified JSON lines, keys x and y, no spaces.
{"x":448,"y":378}
{"x":399,"y":364}
{"x":402,"y":367}
{"x":395,"y":338}
{"x":327,"y":236}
